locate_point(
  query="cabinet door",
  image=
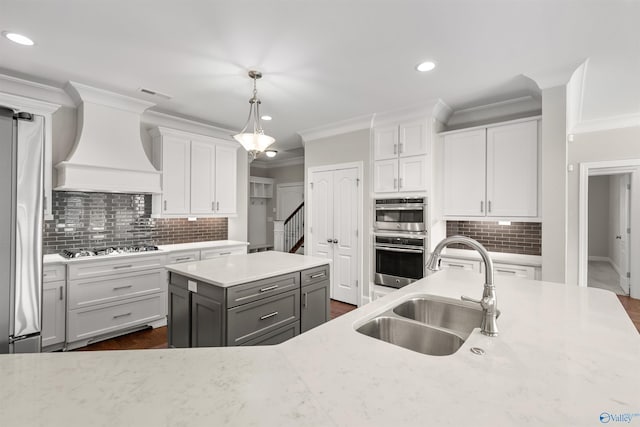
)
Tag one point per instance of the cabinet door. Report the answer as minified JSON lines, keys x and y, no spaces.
{"x":226,"y":179}
{"x":464,"y":173}
{"x":413,"y":139}
{"x":386,"y":176}
{"x":206,"y":322}
{"x":53,"y":313}
{"x":512,"y":170}
{"x":412,"y":173}
{"x":314,"y":305}
{"x":203,"y":161}
{"x":385,"y":143}
{"x":179,"y":322}
{"x":511,"y":270}
{"x":176,"y":160}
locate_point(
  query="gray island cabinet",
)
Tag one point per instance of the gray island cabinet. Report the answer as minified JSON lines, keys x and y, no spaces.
{"x":253,"y":299}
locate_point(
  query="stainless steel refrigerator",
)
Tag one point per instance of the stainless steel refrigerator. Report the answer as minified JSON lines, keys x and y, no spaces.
{"x":21,"y":182}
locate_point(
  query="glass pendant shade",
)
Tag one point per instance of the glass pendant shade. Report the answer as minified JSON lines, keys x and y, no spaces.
{"x":254,"y":141}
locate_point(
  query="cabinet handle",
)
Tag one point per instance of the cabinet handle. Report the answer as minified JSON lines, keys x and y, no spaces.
{"x":505,"y":271}
{"x":395,"y":148}
{"x":269,"y":288}
{"x":225,"y":253}
{"x":481,"y":206}
{"x":165,"y":205}
{"x":217,"y":206}
{"x":117,"y":288}
{"x":456,"y":265}
{"x":117,"y":267}
{"x":117,"y":316}
{"x":184,"y":258}
{"x":315,"y":276}
{"x":401,"y":148}
{"x":213,"y":206}
{"x":61,"y":294}
{"x":395,"y":183}
{"x":266,"y":316}
{"x":489,"y":206}
{"x":400,"y":183}
{"x":304,"y":302}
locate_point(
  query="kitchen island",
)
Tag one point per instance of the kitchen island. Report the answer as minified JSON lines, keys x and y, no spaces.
{"x":565,"y":356}
{"x":250,"y":299}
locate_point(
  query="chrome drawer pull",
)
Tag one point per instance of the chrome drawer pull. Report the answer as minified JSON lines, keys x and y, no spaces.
{"x":117,"y":316}
{"x":456,"y":265}
{"x":184,"y":258}
{"x":506,"y":271}
{"x":315,"y":276}
{"x":269,"y":288}
{"x":266,"y":316}
{"x":122,"y":287}
{"x":225,"y":253}
{"x":61,"y":294}
{"x":122,"y":266}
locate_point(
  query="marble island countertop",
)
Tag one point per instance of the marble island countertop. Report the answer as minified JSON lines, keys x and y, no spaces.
{"x":238,"y":269}
{"x":564,"y":356}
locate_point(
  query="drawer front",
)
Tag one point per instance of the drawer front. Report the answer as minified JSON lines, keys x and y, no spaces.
{"x":249,"y":321}
{"x":53,"y":272}
{"x":113,"y":288}
{"x":460,"y":264}
{"x":276,"y":337}
{"x":184,"y":256}
{"x":218,"y":252}
{"x":90,"y":322}
{"x":314,"y":275}
{"x":525,"y":272}
{"x":106,"y":266}
{"x":253,"y":291}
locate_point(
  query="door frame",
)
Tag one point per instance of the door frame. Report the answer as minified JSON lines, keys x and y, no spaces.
{"x":613,"y":167}
{"x":284,"y":185}
{"x":359,"y":166}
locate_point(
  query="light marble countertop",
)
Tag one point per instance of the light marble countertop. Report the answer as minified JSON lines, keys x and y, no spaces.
{"x":502,"y":257}
{"x":564,"y":356}
{"x":238,"y":269}
{"x":163,"y":249}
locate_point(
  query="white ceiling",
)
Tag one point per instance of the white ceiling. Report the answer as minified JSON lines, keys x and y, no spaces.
{"x":326,"y":61}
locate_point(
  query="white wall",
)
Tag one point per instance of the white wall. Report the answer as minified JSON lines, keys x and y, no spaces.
{"x":599,"y":225}
{"x":345,"y":148}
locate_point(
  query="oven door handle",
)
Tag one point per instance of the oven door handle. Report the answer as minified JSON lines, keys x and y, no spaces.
{"x":400,"y":208}
{"x":406,"y":251}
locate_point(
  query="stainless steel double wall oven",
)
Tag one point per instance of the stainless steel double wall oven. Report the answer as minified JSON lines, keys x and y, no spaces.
{"x":400,"y":241}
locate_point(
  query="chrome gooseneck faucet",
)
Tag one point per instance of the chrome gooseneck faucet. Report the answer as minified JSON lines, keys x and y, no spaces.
{"x":488,"y":302}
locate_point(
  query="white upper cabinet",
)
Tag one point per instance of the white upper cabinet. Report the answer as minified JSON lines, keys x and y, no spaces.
{"x":492,"y":171}
{"x":198,"y":174}
{"x":400,"y":154}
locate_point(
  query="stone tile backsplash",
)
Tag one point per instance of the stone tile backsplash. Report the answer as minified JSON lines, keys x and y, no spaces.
{"x":93,"y":220}
{"x":517,"y":238}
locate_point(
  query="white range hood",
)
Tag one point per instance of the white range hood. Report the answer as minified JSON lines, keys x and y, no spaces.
{"x":108,"y":155}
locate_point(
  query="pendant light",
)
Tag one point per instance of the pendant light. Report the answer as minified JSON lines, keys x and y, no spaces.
{"x":254,"y":142}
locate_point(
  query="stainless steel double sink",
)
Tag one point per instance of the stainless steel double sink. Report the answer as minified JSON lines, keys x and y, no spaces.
{"x":427,"y":324}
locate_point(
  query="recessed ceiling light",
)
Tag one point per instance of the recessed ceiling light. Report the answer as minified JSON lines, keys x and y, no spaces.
{"x":271,"y":153}
{"x":266,"y":118}
{"x":18,"y":38}
{"x":426,"y":66}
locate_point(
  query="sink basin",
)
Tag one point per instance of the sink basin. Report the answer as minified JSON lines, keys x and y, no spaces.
{"x":412,"y":336}
{"x":457,"y":316}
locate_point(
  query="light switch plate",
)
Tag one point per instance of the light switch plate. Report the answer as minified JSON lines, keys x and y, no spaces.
{"x":193,"y":286}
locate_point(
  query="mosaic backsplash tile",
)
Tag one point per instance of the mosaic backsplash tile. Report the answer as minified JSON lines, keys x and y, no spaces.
{"x":93,"y":220}
{"x":517,"y":238}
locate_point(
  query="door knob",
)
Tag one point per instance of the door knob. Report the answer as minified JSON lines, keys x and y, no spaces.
{"x":619,"y":237}
{"x":329,"y":241}
{"x":335,"y":240}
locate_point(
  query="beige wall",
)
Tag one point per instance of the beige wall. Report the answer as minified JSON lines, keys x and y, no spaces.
{"x":346,"y":148}
{"x":617,"y":144}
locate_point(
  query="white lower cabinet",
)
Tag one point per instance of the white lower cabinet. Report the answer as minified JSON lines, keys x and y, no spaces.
{"x":499,"y":269}
{"x":511,"y":270}
{"x":459,"y":264}
{"x":54,"y":296}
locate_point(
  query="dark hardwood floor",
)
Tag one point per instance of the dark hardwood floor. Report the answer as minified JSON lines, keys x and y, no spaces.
{"x":632,"y":307}
{"x":157,"y":338}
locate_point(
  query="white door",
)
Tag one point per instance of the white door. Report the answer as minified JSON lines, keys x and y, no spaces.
{"x":385,"y":143}
{"x":176,"y":164}
{"x":412,"y":174}
{"x":225,"y":179}
{"x":345,"y":236}
{"x":289,"y":198}
{"x":512,"y":170}
{"x":624,"y":237}
{"x":386,"y":176}
{"x":464,"y":173}
{"x":322,"y":214}
{"x":203,"y":161}
{"x":413,"y":139}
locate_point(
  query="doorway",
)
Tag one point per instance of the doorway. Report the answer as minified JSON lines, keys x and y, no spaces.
{"x":288,"y":198}
{"x":609,"y":217}
{"x":335,"y":207}
{"x":609,"y":229}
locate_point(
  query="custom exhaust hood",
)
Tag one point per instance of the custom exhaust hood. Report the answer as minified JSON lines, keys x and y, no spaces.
{"x":108,"y":155}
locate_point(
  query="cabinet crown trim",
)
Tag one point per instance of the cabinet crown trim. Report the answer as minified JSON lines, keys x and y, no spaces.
{"x":491,"y":125}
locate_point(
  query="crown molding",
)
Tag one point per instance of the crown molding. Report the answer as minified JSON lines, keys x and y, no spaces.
{"x":559,"y":76}
{"x":82,"y":93}
{"x":435,"y":108}
{"x":607,"y":123}
{"x":157,"y":119}
{"x":30,"y":105}
{"x":262,"y":164}
{"x":523,"y":106}
{"x":38,"y":92}
{"x":336,"y":128}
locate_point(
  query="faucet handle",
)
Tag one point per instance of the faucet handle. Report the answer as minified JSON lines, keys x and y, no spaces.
{"x":469,"y":299}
